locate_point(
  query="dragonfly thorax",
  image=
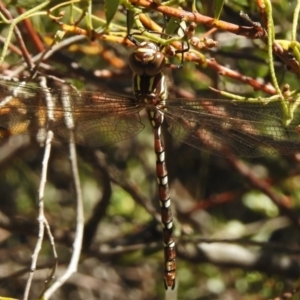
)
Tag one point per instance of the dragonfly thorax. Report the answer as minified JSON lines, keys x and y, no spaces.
{"x":147,"y":59}
{"x":151,"y":90}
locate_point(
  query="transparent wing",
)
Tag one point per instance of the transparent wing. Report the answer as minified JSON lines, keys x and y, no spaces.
{"x":96,"y":131}
{"x":96,"y":118}
{"x":223,"y":126}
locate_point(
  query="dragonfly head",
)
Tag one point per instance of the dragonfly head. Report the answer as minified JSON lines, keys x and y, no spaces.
{"x":147,"y":59}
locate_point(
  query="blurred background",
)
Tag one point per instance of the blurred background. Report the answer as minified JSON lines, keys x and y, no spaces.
{"x":236,"y":219}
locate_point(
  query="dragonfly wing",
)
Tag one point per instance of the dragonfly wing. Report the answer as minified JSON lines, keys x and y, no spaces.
{"x":224,"y":127}
{"x":103,"y":130}
{"x":95,"y":118}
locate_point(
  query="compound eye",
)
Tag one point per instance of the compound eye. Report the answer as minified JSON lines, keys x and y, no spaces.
{"x":147,"y":60}
{"x":150,"y":68}
{"x":136,"y":66}
{"x":156,"y":65}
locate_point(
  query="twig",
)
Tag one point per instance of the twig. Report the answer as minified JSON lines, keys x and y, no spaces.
{"x":19,"y":38}
{"x":52,"y":273}
{"x":65,"y":43}
{"x":262,"y":185}
{"x":72,"y":268}
{"x":41,"y":217}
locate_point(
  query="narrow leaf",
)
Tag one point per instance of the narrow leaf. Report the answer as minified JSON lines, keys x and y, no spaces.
{"x":218,"y":6}
{"x":110,"y":8}
{"x":130,"y":20}
{"x":172,"y":26}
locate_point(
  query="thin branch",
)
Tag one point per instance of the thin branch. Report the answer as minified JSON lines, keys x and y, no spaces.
{"x":265,"y":187}
{"x":77,"y":245}
{"x":41,"y":217}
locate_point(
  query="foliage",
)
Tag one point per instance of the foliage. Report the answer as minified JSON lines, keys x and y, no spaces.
{"x":237,"y":219}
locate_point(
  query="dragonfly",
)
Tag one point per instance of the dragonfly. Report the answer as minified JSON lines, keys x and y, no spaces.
{"x":221,"y":126}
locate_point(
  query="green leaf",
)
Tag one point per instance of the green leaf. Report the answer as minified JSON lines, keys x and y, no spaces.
{"x":172,"y":26}
{"x":110,"y":8}
{"x":218,"y":6}
{"x":130,"y":20}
